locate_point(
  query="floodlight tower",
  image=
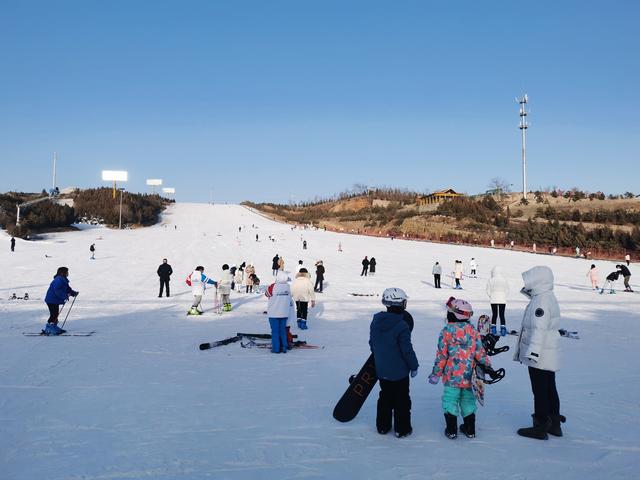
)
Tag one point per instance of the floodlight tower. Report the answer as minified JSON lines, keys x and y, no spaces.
{"x":523,"y":128}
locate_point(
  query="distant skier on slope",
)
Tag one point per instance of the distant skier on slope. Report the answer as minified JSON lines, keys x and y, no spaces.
{"x":395,"y":360}
{"x":437,"y":273}
{"x":365,"y":266}
{"x":473,"y":265}
{"x":459,"y":349}
{"x":626,"y":274}
{"x":539,"y":348}
{"x":498,"y":291}
{"x":608,"y":284}
{"x":58,"y":293}
{"x":594,"y":277}
{"x":319,"y":276}
{"x":224,"y":287}
{"x":457,"y":274}
{"x":198,"y":282}
{"x":372,"y":266}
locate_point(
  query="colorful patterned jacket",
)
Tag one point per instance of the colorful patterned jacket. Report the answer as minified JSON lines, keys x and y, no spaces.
{"x":459,"y":348}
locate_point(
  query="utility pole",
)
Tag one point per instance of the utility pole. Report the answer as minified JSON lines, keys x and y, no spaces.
{"x":523,"y":128}
{"x":120,"y":222}
{"x":55,"y":158}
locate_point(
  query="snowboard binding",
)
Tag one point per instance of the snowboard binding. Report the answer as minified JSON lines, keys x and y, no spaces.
{"x":494,"y":375}
{"x":489,"y":343}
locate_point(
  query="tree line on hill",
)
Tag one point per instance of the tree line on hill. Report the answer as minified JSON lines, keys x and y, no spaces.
{"x":96,"y":205}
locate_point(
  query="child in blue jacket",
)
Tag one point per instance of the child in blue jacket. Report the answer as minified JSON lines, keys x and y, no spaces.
{"x":58,"y":293}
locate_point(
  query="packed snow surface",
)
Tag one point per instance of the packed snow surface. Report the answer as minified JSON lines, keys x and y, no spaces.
{"x":139,"y":400}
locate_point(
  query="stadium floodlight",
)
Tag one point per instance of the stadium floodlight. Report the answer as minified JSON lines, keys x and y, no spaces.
{"x":115,"y":176}
{"x":153,"y":183}
{"x":169,"y":190}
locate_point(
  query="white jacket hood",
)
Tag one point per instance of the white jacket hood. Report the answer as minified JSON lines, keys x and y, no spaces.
{"x":537,"y":280}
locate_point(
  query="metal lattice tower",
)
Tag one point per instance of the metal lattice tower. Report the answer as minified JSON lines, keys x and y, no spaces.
{"x":523,"y":128}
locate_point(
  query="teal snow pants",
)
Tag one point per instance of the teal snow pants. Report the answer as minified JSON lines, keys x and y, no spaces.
{"x":458,"y":400}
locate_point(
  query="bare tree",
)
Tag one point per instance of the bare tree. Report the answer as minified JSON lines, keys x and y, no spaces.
{"x":500,"y":186}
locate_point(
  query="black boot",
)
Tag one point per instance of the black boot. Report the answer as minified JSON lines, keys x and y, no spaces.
{"x":538,"y":431}
{"x":469,"y":426}
{"x":556,"y":429}
{"x":452,"y":426}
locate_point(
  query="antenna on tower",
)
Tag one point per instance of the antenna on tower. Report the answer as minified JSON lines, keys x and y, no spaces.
{"x":523,"y":128}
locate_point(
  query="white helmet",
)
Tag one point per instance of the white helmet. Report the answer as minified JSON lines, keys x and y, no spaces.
{"x":394,"y":297}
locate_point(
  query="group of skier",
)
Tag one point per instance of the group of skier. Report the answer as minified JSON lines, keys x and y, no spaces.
{"x":459,"y":351}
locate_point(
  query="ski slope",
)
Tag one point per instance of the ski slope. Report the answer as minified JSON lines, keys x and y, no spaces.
{"x":139,"y":400}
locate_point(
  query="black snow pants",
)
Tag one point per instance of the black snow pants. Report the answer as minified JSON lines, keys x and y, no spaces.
{"x":436,"y":280}
{"x":302,"y":309}
{"x":164,"y":282}
{"x":497,"y":309}
{"x":545,"y":395}
{"x":394,"y":399}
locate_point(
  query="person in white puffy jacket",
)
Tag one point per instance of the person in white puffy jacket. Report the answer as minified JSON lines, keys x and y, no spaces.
{"x":302,"y":293}
{"x":538,"y":348}
{"x":498,"y":291}
{"x":280,"y":308}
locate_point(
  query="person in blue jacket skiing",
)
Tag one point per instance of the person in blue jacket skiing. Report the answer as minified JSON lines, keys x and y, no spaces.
{"x":390,"y":341}
{"x":58,"y":293}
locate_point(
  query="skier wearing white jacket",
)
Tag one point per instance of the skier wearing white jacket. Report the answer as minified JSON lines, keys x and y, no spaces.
{"x":226,"y":281}
{"x":498,"y":291}
{"x":302,"y":293}
{"x":198,"y":282}
{"x":279,"y":309}
{"x":538,"y":348}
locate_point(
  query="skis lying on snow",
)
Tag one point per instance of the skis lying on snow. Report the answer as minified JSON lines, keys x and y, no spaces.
{"x":364,"y":294}
{"x":251,"y":342}
{"x":66,"y":334}
{"x":562,"y":332}
{"x":15,"y":297}
{"x":235,"y":338}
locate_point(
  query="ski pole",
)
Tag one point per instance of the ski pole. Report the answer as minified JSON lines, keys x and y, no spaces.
{"x":69,"y":311}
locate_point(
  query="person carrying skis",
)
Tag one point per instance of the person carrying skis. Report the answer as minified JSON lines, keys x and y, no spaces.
{"x":594,"y":277}
{"x":498,"y":291}
{"x":626,"y":274}
{"x":459,"y":349}
{"x":164,"y":272}
{"x":538,"y":348}
{"x":365,"y":266}
{"x":302,"y":293}
{"x":198,"y":282}
{"x":280,"y":308}
{"x":608,"y":284}
{"x":319,"y":277}
{"x":372,"y":266}
{"x":58,"y":293}
{"x":457,"y":274}
{"x":224,"y":287}
{"x":92,"y":249}
{"x":395,"y":360}
{"x":437,"y":272}
{"x":274,"y":264}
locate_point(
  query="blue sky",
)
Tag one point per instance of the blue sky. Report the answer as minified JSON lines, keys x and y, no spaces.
{"x":288,"y":100}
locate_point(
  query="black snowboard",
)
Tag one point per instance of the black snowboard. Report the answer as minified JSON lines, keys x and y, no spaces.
{"x":359,"y":389}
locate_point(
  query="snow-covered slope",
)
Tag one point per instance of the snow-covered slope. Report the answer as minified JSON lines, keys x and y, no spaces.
{"x":139,"y":400}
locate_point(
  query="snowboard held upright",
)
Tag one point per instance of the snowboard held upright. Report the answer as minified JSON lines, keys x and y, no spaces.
{"x":359,"y":389}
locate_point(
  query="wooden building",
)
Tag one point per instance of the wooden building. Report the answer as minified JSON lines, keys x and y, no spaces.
{"x":437,"y":197}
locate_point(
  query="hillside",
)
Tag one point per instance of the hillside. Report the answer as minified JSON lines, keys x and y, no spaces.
{"x":605,"y":227}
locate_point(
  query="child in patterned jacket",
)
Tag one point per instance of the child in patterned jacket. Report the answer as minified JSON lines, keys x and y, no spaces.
{"x":459,"y":348}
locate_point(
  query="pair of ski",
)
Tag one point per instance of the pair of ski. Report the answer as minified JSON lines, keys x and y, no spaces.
{"x":563,"y":333}
{"x":251,"y":340}
{"x":66,"y":334}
